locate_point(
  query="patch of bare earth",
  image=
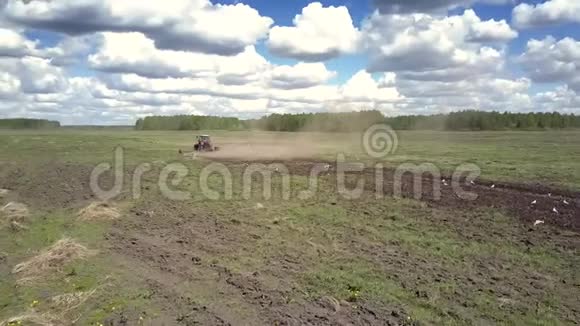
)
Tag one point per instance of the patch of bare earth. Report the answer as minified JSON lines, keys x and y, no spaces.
{"x":172,"y":247}
{"x":529,"y":202}
{"x":54,"y":185}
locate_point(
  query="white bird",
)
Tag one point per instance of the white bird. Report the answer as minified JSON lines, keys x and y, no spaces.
{"x":549,"y":194}
{"x":566,"y":202}
{"x":534,"y":202}
{"x":538,"y":222}
{"x":472,"y":182}
{"x":492,"y":186}
{"x":555,"y":210}
{"x":444,"y":182}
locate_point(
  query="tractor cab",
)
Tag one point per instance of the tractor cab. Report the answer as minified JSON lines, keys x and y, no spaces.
{"x":203,"y":144}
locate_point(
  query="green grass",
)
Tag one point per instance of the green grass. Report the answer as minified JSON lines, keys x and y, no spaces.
{"x":535,"y":157}
{"x":347,"y":249}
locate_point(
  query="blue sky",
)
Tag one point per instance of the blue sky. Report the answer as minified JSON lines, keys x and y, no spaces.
{"x":129,"y":59}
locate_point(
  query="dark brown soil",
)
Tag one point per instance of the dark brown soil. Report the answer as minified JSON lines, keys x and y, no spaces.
{"x":172,"y":249}
{"x":515,"y":198}
{"x":175,"y":250}
{"x":55,"y":185}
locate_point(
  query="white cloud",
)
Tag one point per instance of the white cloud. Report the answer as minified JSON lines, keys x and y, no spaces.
{"x":549,"y":61}
{"x":13,"y":44}
{"x":145,"y":62}
{"x":9,"y":85}
{"x":425,"y":47}
{"x":301,"y":75}
{"x":491,"y":31}
{"x":550,"y":12}
{"x":362,"y":87}
{"x":318,"y":34}
{"x":135,"y":53}
{"x":560,"y":99}
{"x":39,"y":76}
{"x":196,"y":25}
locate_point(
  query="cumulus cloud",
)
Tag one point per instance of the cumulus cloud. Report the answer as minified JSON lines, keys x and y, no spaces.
{"x":426,"y":47}
{"x":426,"y":6}
{"x":301,"y":75}
{"x":120,"y":60}
{"x":196,"y":25}
{"x":549,"y":61}
{"x":318,"y":34}
{"x":9,"y":85}
{"x":135,"y":53}
{"x":36,"y":75}
{"x":362,"y":87}
{"x":491,"y":31}
{"x":13,"y":44}
{"x":550,"y":12}
{"x":560,"y":99}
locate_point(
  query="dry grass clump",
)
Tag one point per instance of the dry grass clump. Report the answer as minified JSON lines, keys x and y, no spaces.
{"x":4,"y":193}
{"x":33,"y":319}
{"x":53,"y":258}
{"x":14,"y":210}
{"x":69,"y":301}
{"x":99,"y":211}
{"x":12,"y":215}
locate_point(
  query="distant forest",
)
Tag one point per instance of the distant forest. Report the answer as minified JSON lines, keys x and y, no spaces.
{"x":23,"y":123}
{"x":357,"y":121}
{"x":189,"y":122}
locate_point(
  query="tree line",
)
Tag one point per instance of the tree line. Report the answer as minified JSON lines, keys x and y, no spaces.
{"x":358,"y":121}
{"x":23,"y":123}
{"x":327,"y":122}
{"x":480,"y":120}
{"x":189,"y":122}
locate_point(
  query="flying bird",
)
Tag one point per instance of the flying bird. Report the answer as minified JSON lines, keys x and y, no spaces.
{"x":555,"y":211}
{"x":566,"y":202}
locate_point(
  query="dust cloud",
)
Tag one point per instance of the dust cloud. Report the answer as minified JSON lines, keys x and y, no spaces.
{"x":263,"y":146}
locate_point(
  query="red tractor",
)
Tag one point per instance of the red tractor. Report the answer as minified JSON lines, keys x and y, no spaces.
{"x":203,"y":144}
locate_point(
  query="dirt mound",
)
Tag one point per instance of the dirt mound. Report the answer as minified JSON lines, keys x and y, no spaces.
{"x":53,"y":258}
{"x":99,"y":211}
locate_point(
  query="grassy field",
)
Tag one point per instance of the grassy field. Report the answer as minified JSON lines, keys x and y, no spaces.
{"x":323,"y":260}
{"x":550,"y":157}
